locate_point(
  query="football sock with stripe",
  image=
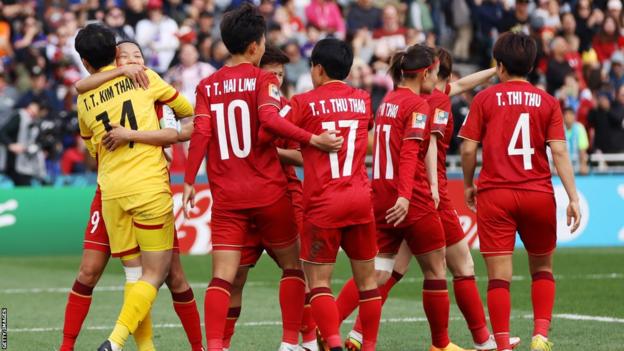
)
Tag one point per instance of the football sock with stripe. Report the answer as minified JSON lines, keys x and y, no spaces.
{"x":499,"y":306}
{"x":230,"y":325}
{"x":186,"y":308}
{"x":543,"y":298}
{"x":384,"y":290}
{"x":325,"y":314}
{"x":76,"y":310}
{"x":216,"y":303}
{"x":436,"y":306}
{"x":469,"y":303}
{"x":370,"y":312}
{"x":292,"y":299}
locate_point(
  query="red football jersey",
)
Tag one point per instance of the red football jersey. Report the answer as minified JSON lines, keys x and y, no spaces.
{"x":514,"y":121}
{"x":243,"y":173}
{"x":336,"y":189}
{"x":294,"y":184}
{"x":442,"y":120}
{"x":402,"y":116}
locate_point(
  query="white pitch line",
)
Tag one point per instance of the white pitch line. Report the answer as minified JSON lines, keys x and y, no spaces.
{"x":574,"y":317}
{"x":197,"y":285}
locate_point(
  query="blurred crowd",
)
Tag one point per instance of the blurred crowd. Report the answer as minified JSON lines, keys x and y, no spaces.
{"x":580,"y":60}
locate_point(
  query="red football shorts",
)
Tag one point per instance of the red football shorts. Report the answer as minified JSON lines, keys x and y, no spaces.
{"x":453,"y":231}
{"x":275,"y":224}
{"x":503,"y":212}
{"x":320,"y":245}
{"x":253,"y":248}
{"x":423,"y":236}
{"x":96,"y":236}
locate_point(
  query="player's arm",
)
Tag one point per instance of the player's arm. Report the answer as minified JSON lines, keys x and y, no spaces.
{"x":200,"y":138}
{"x":135,"y":72}
{"x":555,"y":137}
{"x":471,"y":81}
{"x":471,"y":132}
{"x":186,"y":131}
{"x":431,"y":163}
{"x":85,"y":133}
{"x":119,"y":136}
{"x":163,"y":92}
{"x":290,"y":157}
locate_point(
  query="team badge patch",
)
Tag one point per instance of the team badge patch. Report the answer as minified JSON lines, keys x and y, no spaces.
{"x":274,"y":92}
{"x":441,"y":117}
{"x":419,"y":120}
{"x":284,"y":111}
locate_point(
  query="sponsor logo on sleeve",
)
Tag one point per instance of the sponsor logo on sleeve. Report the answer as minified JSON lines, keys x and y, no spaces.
{"x":419,"y":120}
{"x":441,"y":117}
{"x":274,"y":92}
{"x":284,"y":111}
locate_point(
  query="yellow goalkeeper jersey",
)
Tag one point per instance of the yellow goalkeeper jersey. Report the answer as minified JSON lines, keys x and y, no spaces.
{"x":133,"y":168}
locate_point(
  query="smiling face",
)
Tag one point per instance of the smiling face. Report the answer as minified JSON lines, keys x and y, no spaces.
{"x":129,"y":53}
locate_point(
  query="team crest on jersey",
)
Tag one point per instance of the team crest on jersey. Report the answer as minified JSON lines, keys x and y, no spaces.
{"x":274,"y":92}
{"x":441,"y":117}
{"x":419,"y":120}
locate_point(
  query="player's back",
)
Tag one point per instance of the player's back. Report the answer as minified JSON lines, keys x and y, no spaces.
{"x":133,"y":168}
{"x":514,"y":121}
{"x":401,"y":116}
{"x":336,"y":187}
{"x":243,"y":173}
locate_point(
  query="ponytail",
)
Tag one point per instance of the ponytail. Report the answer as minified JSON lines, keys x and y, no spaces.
{"x":408,"y":64}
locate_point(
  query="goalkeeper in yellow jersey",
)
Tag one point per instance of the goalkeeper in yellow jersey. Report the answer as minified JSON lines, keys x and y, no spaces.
{"x":136,"y":197}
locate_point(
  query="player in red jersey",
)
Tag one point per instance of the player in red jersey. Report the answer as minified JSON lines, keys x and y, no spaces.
{"x":404,"y":205}
{"x":273,"y":60}
{"x":336,"y":193}
{"x":246,"y":179}
{"x":515,"y":122}
{"x":458,"y":257}
{"x":96,"y":250}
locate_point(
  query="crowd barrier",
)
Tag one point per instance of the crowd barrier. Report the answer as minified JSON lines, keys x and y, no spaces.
{"x":52,"y":221}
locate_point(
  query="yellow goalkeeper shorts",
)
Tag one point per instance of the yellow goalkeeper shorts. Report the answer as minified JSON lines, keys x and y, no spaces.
{"x":140,"y":222}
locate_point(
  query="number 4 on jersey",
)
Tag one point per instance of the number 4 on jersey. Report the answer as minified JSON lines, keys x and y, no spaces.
{"x":526,"y":151}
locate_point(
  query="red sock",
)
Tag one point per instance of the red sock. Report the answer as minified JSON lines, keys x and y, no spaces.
{"x":469,"y":302}
{"x":216,"y":304}
{"x":308,"y":325}
{"x":292,"y":299}
{"x":76,"y":310}
{"x":347,"y":300}
{"x":499,"y":306}
{"x":370,"y":310}
{"x":384,"y":290}
{"x":325,"y":314}
{"x":186,"y":309}
{"x":436,"y":305}
{"x":230,"y":325}
{"x":543,"y":298}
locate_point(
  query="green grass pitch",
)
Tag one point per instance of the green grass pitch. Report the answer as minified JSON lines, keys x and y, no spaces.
{"x":589,"y":312}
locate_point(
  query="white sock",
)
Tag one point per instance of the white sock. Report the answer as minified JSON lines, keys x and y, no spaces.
{"x":355,"y":335}
{"x":310,"y":345}
{"x":114,"y":345}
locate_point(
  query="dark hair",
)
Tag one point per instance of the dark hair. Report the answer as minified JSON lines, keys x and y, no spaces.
{"x":516,"y":52}
{"x":568,"y":109}
{"x":446,"y":63}
{"x":133,"y":43}
{"x":416,"y":57}
{"x":335,"y":56}
{"x":603,"y":36}
{"x":96,"y":45}
{"x":240,"y":27}
{"x":273,"y":56}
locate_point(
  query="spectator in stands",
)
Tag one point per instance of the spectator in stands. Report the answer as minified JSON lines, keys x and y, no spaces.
{"x":291,"y":24}
{"x":157,"y":36}
{"x":614,"y":9}
{"x":363,"y":14}
{"x":558,"y":66}
{"x":218,"y":54}
{"x":298,"y":65}
{"x":616,"y":74}
{"x":135,"y":12}
{"x":516,"y":19}
{"x":41,"y":90}
{"x":616,"y":119}
{"x":325,"y":15}
{"x":186,"y":75}
{"x":577,"y":141}
{"x":21,"y":159}
{"x":391,"y":36}
{"x":588,"y":23}
{"x":463,"y":28}
{"x":6,"y":50}
{"x":599,"y":125}
{"x":205,"y":25}
{"x":8,"y":99}
{"x":608,"y":39}
{"x":115,"y":19}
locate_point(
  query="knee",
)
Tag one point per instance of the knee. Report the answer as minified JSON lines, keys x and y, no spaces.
{"x":382,"y":277}
{"x":461,"y":268}
{"x":176,"y":281}
{"x":90,"y":274}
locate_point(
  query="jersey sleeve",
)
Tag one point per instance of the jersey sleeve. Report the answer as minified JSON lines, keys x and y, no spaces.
{"x":275,"y":122}
{"x":85,"y":133}
{"x":555,"y":131}
{"x":163,"y":92}
{"x":416,"y":123}
{"x":473,"y":124}
{"x":200,"y":138}
{"x":269,"y":91}
{"x":441,"y":114}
